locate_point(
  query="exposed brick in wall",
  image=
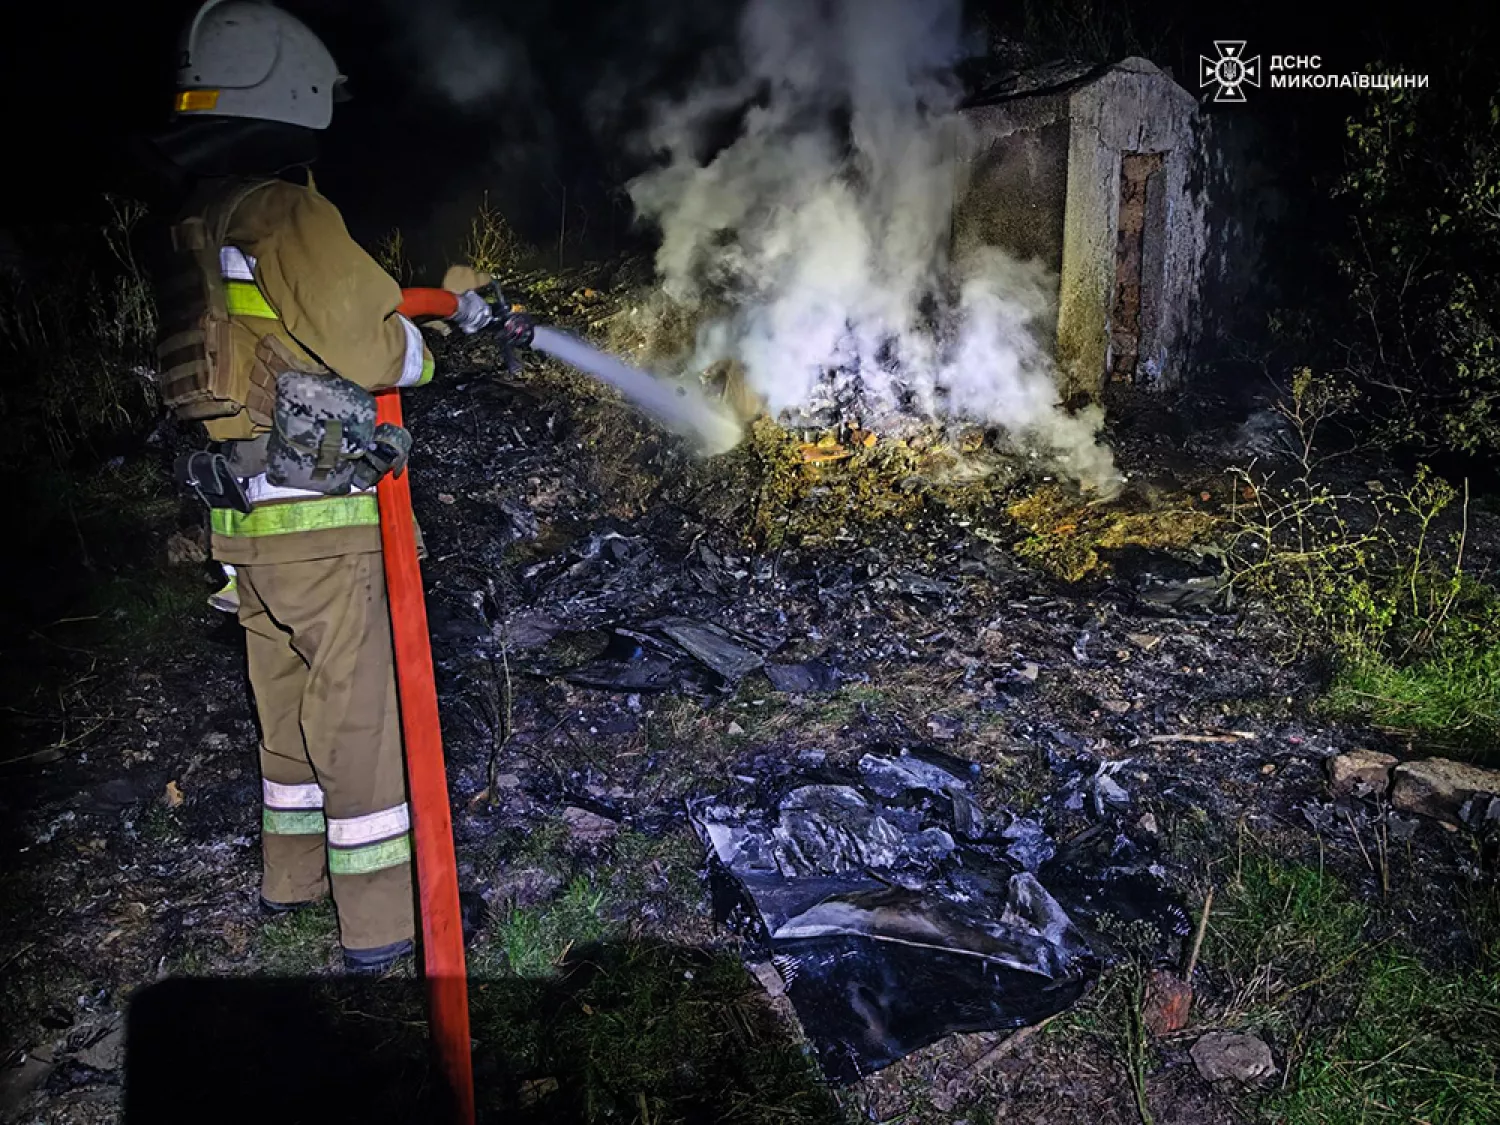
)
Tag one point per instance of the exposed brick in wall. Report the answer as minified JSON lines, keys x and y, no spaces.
{"x":1136,"y":171}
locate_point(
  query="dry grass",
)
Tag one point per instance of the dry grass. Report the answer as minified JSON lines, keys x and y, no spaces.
{"x":492,"y":246}
{"x":1066,"y":534}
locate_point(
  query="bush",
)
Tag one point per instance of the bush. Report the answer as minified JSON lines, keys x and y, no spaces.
{"x":1376,"y":575}
{"x":492,"y":246}
{"x":1422,"y":259}
{"x":77,"y":342}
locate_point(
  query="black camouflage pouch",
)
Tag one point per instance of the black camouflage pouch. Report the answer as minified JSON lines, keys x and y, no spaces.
{"x":323,"y":428}
{"x":387,"y":454}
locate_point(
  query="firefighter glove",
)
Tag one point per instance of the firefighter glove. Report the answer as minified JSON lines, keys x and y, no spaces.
{"x":474,"y":312}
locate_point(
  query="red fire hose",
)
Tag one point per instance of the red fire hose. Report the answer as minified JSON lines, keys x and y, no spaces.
{"x":427,"y":302}
{"x":427,"y":783}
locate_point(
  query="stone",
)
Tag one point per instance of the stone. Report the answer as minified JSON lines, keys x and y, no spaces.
{"x":184,"y":549}
{"x":1443,"y":789}
{"x":1231,"y":1054}
{"x":588,"y":827}
{"x":994,"y":644}
{"x":524,"y":887}
{"x":1360,"y":773}
{"x":1168,"y":1000}
{"x":769,"y":978}
{"x":20,"y":1080}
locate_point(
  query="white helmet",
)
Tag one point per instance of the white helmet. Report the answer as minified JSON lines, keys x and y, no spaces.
{"x":241,"y":58}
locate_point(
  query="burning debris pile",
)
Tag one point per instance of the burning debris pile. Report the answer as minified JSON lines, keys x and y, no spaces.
{"x":897,"y":910}
{"x":811,"y":253}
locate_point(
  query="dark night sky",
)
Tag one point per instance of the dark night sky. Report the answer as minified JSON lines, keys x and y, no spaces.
{"x":399,"y":154}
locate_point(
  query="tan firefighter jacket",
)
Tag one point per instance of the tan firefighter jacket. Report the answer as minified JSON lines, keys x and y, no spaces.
{"x":291,"y":269}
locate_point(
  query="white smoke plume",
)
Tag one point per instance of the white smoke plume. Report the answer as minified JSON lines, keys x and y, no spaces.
{"x":466,"y":61}
{"x":824,"y":228}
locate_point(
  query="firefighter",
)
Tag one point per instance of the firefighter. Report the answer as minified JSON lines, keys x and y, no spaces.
{"x":276,"y":325}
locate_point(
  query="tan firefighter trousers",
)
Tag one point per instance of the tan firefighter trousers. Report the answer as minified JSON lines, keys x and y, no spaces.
{"x":318,"y":638}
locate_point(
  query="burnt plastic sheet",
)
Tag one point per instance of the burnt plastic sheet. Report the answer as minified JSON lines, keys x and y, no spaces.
{"x":806,"y":678}
{"x":898,"y":910}
{"x":673,"y":654}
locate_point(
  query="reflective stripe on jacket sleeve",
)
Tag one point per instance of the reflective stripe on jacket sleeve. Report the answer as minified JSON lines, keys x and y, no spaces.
{"x":416,"y":365}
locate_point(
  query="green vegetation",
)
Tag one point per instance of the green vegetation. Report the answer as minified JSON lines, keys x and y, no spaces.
{"x":299,"y":943}
{"x":1376,"y":576}
{"x":1368,"y":1029}
{"x":645,"y":1033}
{"x":1422,"y":260}
{"x":534,"y":941}
{"x":579,"y":1017}
{"x":77,"y":342}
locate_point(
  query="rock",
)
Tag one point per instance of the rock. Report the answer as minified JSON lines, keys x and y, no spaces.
{"x":801,"y":679}
{"x":184,"y":549}
{"x":1168,"y":999}
{"x":536,"y":1089}
{"x":529,"y":886}
{"x":1229,"y":1054}
{"x":1362,"y":773}
{"x":588,"y":827}
{"x":1442,"y":789}
{"x":735,"y":728}
{"x":769,"y":978}
{"x":994,"y":644}
{"x":944,"y":728}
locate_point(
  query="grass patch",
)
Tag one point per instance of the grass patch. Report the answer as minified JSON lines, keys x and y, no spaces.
{"x":1369,"y":1031}
{"x":299,"y":943}
{"x":643,"y":1033}
{"x":1448,"y":694}
{"x":675,"y":859}
{"x":149,"y":609}
{"x":534,"y":940}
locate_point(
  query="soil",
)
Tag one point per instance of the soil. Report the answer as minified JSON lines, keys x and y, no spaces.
{"x":129,"y":810}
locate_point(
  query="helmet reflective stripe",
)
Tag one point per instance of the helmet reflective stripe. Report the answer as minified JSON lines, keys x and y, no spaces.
{"x":242,"y":58}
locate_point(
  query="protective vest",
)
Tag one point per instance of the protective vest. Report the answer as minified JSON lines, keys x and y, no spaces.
{"x":224,"y":372}
{"x":207,"y":366}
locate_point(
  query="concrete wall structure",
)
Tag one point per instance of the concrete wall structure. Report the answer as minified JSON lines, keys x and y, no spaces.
{"x":1097,"y":179}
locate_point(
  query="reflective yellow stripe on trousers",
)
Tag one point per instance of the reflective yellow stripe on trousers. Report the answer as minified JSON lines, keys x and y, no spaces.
{"x":298,"y":515}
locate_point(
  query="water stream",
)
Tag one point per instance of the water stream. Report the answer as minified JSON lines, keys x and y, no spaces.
{"x":681,"y":408}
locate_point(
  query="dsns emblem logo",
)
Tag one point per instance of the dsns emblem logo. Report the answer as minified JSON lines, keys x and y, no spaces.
{"x":1229,"y":71}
